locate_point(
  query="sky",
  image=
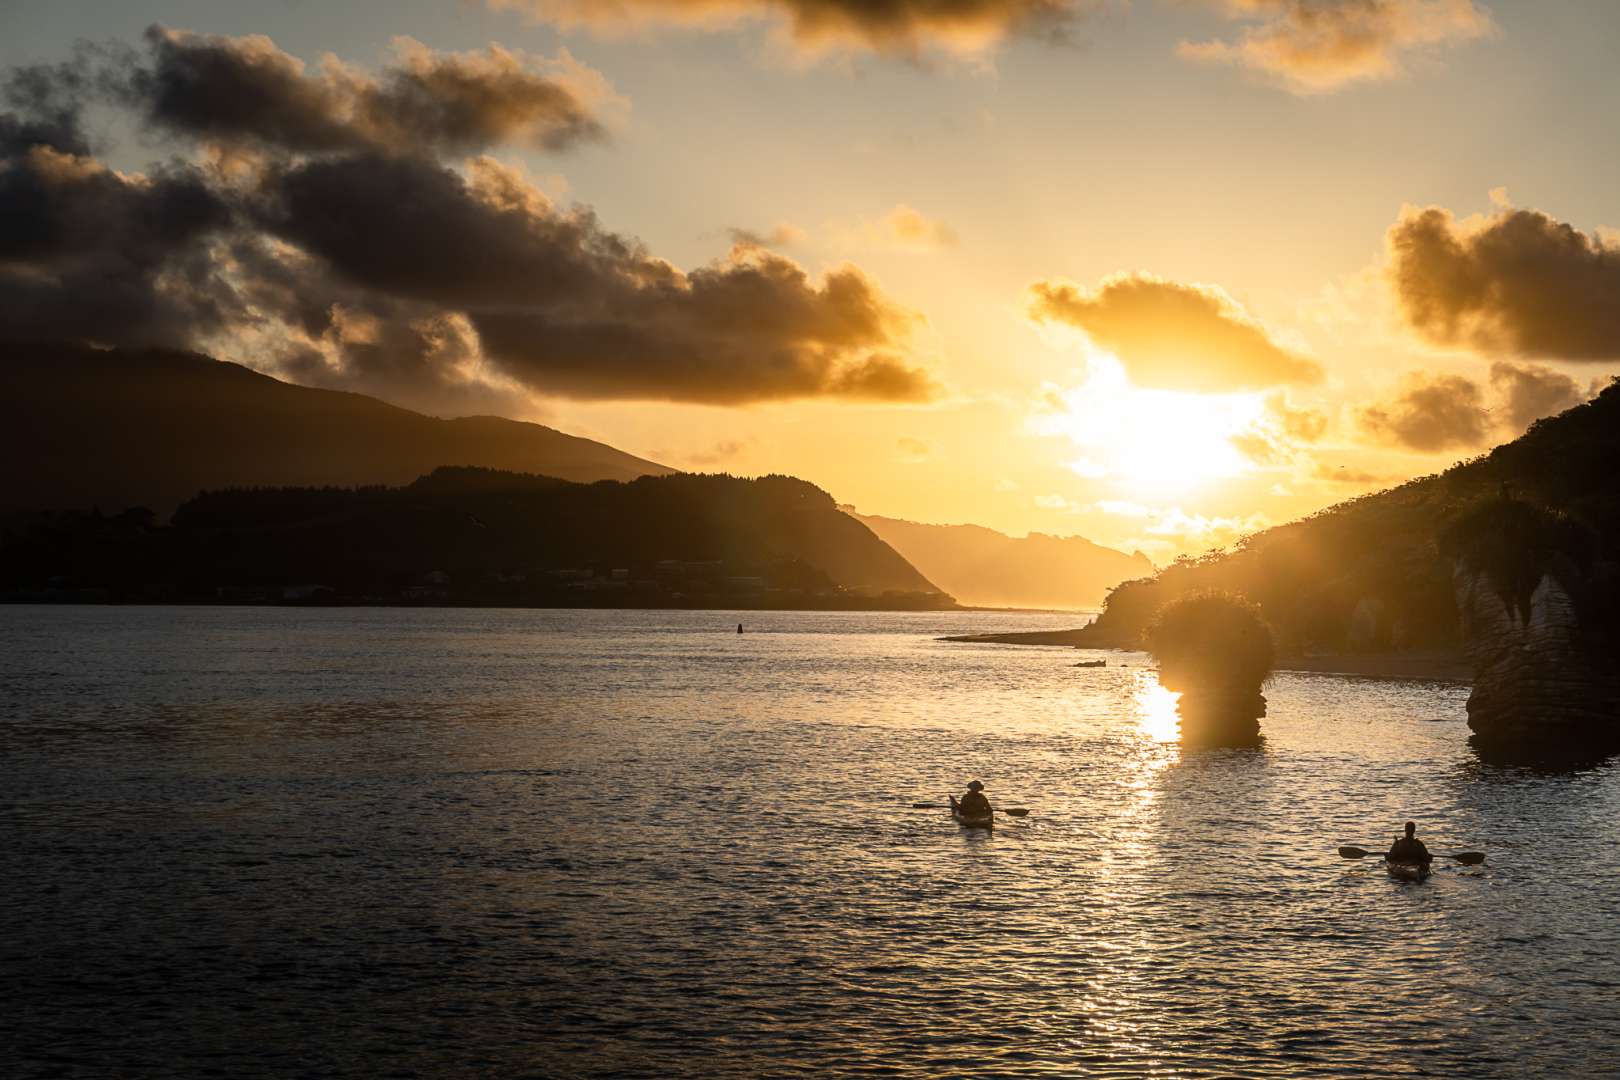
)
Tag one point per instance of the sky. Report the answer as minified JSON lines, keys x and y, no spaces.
{"x":1158,"y":273}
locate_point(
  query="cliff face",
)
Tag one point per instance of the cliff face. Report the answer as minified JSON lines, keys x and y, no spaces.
{"x":1538,"y":676}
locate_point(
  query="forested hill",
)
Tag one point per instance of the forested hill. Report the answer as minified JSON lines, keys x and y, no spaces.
{"x":1368,"y":573}
{"x":478,"y":535}
{"x":984,"y":567}
{"x":132,"y":427}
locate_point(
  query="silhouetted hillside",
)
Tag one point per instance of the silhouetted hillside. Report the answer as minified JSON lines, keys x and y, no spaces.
{"x":479,"y":536}
{"x":991,"y":569}
{"x":1369,"y":573}
{"x":82,"y":427}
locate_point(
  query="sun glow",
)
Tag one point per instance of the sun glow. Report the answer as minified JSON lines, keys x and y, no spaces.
{"x":1151,"y":442}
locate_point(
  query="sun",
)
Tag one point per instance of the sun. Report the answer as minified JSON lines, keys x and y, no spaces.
{"x":1151,"y":442}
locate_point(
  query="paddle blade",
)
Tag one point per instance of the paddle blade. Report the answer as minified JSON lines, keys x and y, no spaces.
{"x":929,"y":806}
{"x":1354,"y":853}
{"x":1019,"y":812}
{"x":1470,"y":858}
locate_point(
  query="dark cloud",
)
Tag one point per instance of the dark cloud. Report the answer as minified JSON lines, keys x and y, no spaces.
{"x":1445,"y":412}
{"x":903,"y":27}
{"x":1519,"y":282}
{"x":245,"y":90}
{"x":347,"y":265}
{"x":1174,"y":336}
{"x":1529,"y":392}
{"x":1312,"y":46}
{"x":86,"y":253}
{"x":565,"y":307}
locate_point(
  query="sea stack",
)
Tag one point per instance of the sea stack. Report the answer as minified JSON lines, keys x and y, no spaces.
{"x":1216,"y":651}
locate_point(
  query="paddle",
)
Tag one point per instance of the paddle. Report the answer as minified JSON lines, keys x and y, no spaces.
{"x":1467,"y":858}
{"x":1016,"y":812}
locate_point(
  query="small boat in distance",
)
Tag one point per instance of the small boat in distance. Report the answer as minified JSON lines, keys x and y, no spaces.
{"x":985,"y":822}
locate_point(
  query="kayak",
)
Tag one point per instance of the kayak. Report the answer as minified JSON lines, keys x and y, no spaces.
{"x":1407,"y":871}
{"x":985,"y":822}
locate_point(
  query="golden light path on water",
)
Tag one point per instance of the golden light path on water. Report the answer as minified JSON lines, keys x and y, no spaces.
{"x":473,"y":843}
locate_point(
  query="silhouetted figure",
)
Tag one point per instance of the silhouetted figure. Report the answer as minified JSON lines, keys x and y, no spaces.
{"x":1409,"y":849}
{"x":974,"y":804}
{"x":739,"y":628}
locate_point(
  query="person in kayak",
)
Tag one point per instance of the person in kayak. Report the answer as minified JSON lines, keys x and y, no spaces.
{"x":974,"y":804}
{"x":1409,"y":849}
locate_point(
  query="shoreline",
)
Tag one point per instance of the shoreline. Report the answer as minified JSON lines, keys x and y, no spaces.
{"x":1415,"y":665}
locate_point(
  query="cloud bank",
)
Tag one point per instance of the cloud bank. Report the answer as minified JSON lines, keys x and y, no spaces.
{"x":894,"y":27}
{"x":316,"y":232}
{"x":1518,"y":282}
{"x":1174,"y":336}
{"x":245,"y":90}
{"x":1316,"y":46}
{"x":1430,"y":414}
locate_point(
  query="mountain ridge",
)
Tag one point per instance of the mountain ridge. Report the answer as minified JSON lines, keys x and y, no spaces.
{"x":984,"y":567}
{"x":153,"y":427}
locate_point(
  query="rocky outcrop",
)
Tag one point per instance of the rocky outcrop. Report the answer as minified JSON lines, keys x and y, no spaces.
{"x":1220,"y":716}
{"x":1539,"y":675}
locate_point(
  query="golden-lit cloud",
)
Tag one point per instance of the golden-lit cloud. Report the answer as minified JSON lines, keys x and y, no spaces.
{"x":782,"y":234}
{"x":896,"y":27}
{"x":1529,"y":392}
{"x":911,"y":230}
{"x":1168,"y":530}
{"x":1431,"y":414}
{"x":913,"y":450}
{"x":1174,"y":336}
{"x":1315,"y":46}
{"x":1518,"y":282}
{"x":1279,"y":432}
{"x":1351,"y":476}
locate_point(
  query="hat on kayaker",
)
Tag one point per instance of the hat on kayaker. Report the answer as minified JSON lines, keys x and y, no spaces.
{"x":975,"y":786}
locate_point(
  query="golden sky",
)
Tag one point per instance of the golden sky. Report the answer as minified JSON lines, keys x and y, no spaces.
{"x":1158,"y":273}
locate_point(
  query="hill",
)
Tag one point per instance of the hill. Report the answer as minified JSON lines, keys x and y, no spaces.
{"x":1369,"y":575}
{"x":462,"y":535}
{"x":987,"y":568}
{"x":82,"y":427}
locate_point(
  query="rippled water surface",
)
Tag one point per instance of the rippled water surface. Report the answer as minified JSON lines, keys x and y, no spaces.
{"x":460,"y":843}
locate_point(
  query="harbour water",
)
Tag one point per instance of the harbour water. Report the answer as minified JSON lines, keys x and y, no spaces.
{"x":387,"y":842}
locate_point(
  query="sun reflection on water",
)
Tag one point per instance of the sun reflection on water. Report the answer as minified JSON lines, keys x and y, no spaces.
{"x":1155,"y":708}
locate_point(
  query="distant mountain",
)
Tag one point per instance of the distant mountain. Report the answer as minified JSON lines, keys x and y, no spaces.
{"x":986,"y":568}
{"x":463,"y":535}
{"x":117,"y":428}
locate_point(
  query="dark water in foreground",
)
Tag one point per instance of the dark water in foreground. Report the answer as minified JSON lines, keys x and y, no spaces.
{"x":457,"y":843}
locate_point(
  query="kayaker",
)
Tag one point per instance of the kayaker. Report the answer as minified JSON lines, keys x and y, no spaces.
{"x":974,"y":804}
{"x":1408,"y":848}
